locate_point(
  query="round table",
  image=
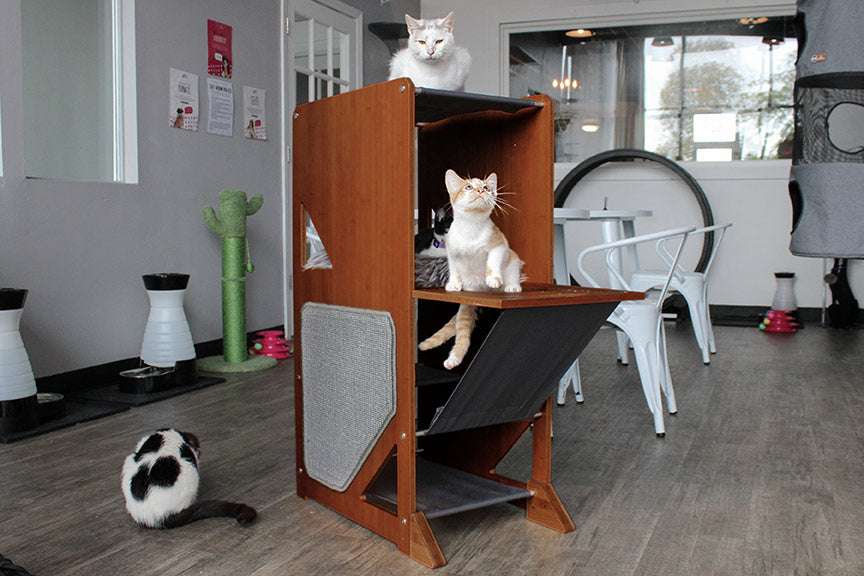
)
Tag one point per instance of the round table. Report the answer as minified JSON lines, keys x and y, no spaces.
{"x":612,"y":223}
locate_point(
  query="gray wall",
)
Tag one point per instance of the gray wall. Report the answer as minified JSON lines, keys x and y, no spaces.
{"x":81,"y":248}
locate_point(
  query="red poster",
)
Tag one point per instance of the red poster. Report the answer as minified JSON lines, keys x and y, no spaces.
{"x":219,"y":60}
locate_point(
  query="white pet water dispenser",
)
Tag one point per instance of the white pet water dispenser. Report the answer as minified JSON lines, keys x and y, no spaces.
{"x":784,"y":296}
{"x":19,"y":406}
{"x":167,"y":351}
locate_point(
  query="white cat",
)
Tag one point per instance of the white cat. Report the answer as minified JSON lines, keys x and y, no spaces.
{"x":432,"y":59}
{"x":478,"y":254}
{"x":478,"y":257}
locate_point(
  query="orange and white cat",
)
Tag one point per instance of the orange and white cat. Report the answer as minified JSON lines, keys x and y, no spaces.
{"x":478,"y":256}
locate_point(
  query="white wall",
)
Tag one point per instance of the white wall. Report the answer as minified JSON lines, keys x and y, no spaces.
{"x":752,"y":195}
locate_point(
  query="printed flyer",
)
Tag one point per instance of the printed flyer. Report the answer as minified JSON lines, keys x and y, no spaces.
{"x":221,"y":106}
{"x":184,"y":100}
{"x":219,"y":59}
{"x":253,"y":113}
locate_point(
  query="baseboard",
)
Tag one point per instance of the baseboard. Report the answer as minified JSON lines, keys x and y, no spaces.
{"x":722,"y":315}
{"x":104,"y":374}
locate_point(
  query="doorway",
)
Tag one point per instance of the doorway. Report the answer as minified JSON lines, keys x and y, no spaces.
{"x":322,"y":55}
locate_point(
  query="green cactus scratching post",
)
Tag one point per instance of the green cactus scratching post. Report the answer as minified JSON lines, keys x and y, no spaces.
{"x":234,"y":208}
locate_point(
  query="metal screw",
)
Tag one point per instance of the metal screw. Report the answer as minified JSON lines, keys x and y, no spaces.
{"x":296,"y":115}
{"x":404,"y":522}
{"x":298,"y":377}
{"x":403,"y":435}
{"x":300,"y":470}
{"x":402,"y":88}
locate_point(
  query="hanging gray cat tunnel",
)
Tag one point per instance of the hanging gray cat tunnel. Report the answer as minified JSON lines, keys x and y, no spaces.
{"x":827,"y":178}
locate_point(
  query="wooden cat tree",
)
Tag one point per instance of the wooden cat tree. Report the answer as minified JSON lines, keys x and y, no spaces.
{"x":364,"y":161}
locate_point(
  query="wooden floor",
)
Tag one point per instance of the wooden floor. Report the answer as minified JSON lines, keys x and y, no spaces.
{"x":761,"y":472}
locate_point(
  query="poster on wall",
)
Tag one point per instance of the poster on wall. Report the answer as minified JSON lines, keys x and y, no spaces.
{"x":184,"y":100}
{"x":220,"y":62}
{"x":254,"y":118}
{"x":220,"y":119}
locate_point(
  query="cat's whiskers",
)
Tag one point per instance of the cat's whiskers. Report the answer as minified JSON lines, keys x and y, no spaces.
{"x":502,"y":205}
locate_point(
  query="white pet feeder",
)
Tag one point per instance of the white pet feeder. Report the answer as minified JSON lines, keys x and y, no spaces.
{"x":19,"y":407}
{"x":167,"y":351}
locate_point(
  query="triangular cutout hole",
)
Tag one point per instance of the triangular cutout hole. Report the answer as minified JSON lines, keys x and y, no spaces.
{"x":315,"y":256}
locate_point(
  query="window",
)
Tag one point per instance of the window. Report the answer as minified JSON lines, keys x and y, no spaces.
{"x":704,"y":91}
{"x":79,"y":90}
{"x":321,"y":55}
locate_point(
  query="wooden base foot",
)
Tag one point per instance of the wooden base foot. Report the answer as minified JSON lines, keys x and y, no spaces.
{"x":424,"y":547}
{"x":546,"y":509}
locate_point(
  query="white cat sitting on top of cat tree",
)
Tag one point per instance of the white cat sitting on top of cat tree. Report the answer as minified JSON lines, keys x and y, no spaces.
{"x":432,"y":59}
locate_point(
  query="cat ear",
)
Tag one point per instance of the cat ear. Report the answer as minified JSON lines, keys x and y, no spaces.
{"x":448,"y":21}
{"x":413,"y":25}
{"x":453,"y":181}
{"x":492,"y":181}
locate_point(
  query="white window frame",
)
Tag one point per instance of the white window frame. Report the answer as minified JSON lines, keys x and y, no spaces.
{"x":1,"y":135}
{"x":125,"y":92}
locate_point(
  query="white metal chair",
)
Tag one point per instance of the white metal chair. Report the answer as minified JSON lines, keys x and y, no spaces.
{"x":641,"y":321}
{"x":571,"y":377}
{"x":692,"y":285}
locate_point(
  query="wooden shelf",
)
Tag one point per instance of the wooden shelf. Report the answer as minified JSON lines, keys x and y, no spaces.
{"x":532,"y":296}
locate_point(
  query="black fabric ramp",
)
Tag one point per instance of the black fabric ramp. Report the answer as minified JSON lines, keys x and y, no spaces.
{"x":442,"y":490}
{"x":519,"y":364}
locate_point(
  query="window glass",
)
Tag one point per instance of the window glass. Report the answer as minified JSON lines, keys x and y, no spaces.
{"x":706,"y":91}
{"x":320,"y":59}
{"x":74,"y":121}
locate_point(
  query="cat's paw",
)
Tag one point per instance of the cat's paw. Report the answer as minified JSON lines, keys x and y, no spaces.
{"x":514,"y":288}
{"x":452,"y":362}
{"x":425,"y":345}
{"x":494,"y":282}
{"x":453,"y":286}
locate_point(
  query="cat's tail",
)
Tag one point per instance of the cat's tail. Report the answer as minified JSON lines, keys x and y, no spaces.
{"x":211,"y":509}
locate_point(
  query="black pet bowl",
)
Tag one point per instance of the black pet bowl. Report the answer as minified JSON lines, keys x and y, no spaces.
{"x":51,"y":406}
{"x":166,"y":281}
{"x":12,"y":298}
{"x":18,"y":415}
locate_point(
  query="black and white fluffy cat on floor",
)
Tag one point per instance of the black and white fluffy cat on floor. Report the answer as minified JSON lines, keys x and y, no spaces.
{"x":160,"y":483}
